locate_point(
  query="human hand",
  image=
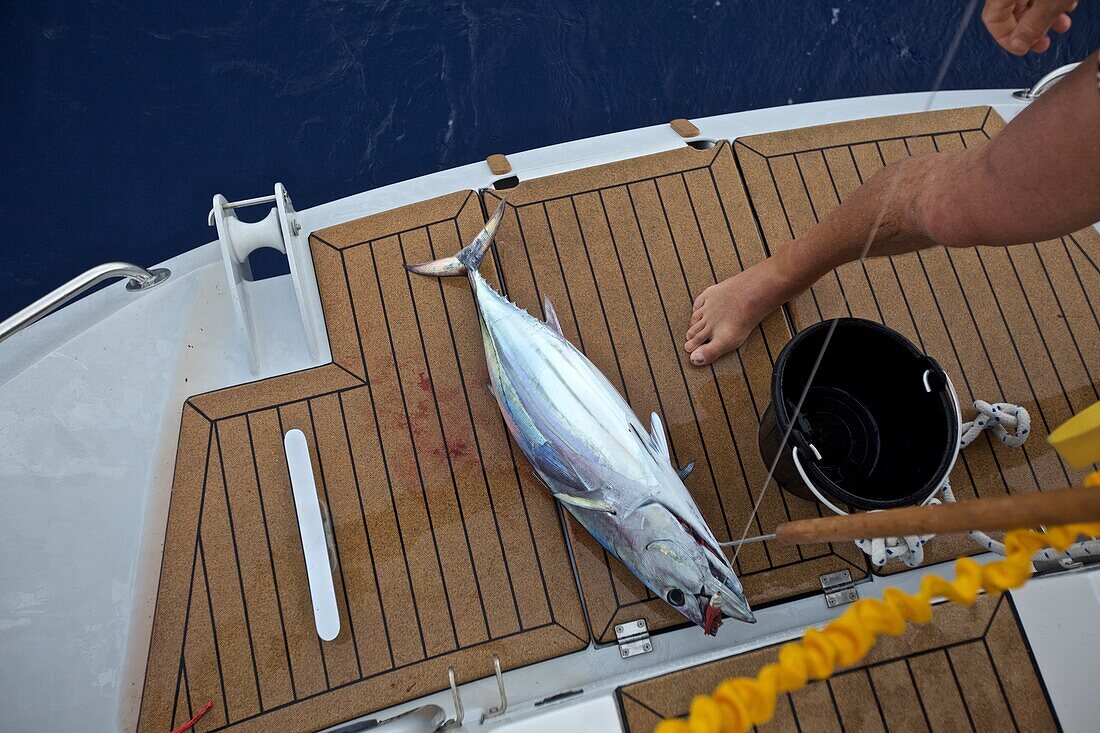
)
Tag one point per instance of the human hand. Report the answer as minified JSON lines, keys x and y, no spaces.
{"x":1020,"y":26}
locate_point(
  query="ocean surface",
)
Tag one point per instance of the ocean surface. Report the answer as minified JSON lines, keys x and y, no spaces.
{"x":121,"y":119}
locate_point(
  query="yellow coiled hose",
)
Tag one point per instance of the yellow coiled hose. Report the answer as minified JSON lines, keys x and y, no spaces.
{"x":739,"y":703}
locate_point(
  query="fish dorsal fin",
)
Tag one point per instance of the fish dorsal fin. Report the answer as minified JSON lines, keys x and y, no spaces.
{"x":684,"y":471}
{"x":586,"y":502}
{"x":657,"y":436}
{"x":551,"y":316}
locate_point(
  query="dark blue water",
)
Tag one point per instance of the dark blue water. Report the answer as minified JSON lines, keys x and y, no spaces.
{"x":121,"y":119}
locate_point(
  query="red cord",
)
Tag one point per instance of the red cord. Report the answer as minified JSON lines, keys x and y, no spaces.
{"x":198,"y":716}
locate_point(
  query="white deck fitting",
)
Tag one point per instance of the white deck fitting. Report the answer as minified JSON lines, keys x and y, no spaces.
{"x":307,"y":506}
{"x":89,"y":417}
{"x":279,"y":230}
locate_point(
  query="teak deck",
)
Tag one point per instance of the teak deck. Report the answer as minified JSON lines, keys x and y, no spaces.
{"x":1008,"y":324}
{"x":970,"y":669}
{"x":447,"y":548}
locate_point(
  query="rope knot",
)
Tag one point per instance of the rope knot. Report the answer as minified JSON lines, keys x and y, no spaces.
{"x":1000,"y":417}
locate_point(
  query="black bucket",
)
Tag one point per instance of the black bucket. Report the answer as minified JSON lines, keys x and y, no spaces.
{"x":880,"y":424}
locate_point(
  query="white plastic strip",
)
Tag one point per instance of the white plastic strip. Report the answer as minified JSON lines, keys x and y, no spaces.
{"x":314,"y":543}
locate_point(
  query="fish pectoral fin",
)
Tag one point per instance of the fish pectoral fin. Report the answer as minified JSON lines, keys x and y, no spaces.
{"x":548,"y":460}
{"x":684,"y":471}
{"x":581,"y":502}
{"x":551,"y":317}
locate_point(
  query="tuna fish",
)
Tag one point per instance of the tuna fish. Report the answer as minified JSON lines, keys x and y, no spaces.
{"x":585,"y":443}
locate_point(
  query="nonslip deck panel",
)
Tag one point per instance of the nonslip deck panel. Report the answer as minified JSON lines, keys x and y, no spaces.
{"x":622,"y":250}
{"x":447,"y":549}
{"x":1014,"y":324}
{"x":970,"y":669}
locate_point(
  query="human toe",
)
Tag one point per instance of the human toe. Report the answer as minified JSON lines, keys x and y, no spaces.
{"x":697,"y":340}
{"x":705,"y":354}
{"x":721,"y":342}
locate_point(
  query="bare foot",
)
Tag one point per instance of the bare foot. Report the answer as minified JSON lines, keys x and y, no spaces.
{"x":726,"y":312}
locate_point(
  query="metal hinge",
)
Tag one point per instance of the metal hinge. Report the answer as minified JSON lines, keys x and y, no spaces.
{"x":839,"y":588}
{"x":1078,"y":556}
{"x":633,"y":638}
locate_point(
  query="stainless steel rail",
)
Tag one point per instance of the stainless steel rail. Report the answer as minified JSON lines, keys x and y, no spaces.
{"x":269,"y":199}
{"x":140,"y":279}
{"x":1045,"y":83}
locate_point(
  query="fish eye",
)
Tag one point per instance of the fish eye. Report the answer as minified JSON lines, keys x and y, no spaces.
{"x":675,"y":596}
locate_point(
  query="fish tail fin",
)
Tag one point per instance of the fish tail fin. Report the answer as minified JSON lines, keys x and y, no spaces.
{"x":466,"y":260}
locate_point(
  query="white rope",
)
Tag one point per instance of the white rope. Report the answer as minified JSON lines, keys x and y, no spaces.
{"x":999,"y":417}
{"x":908,"y":549}
{"x":1011,"y":424}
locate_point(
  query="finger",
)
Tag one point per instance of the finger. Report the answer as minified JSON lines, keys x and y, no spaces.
{"x":1000,"y":19}
{"x":1062,"y":24}
{"x":1041,"y":45}
{"x":1034,"y":25}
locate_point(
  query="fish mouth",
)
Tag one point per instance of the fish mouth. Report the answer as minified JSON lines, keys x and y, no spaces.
{"x":713,"y":610}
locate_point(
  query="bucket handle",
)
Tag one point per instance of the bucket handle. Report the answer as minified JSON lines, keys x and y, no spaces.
{"x":810,"y":484}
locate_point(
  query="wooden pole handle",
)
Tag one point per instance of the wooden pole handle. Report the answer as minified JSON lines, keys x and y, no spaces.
{"x":1001,"y":513}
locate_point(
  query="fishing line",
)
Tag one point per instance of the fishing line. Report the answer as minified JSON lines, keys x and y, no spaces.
{"x":952,"y":49}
